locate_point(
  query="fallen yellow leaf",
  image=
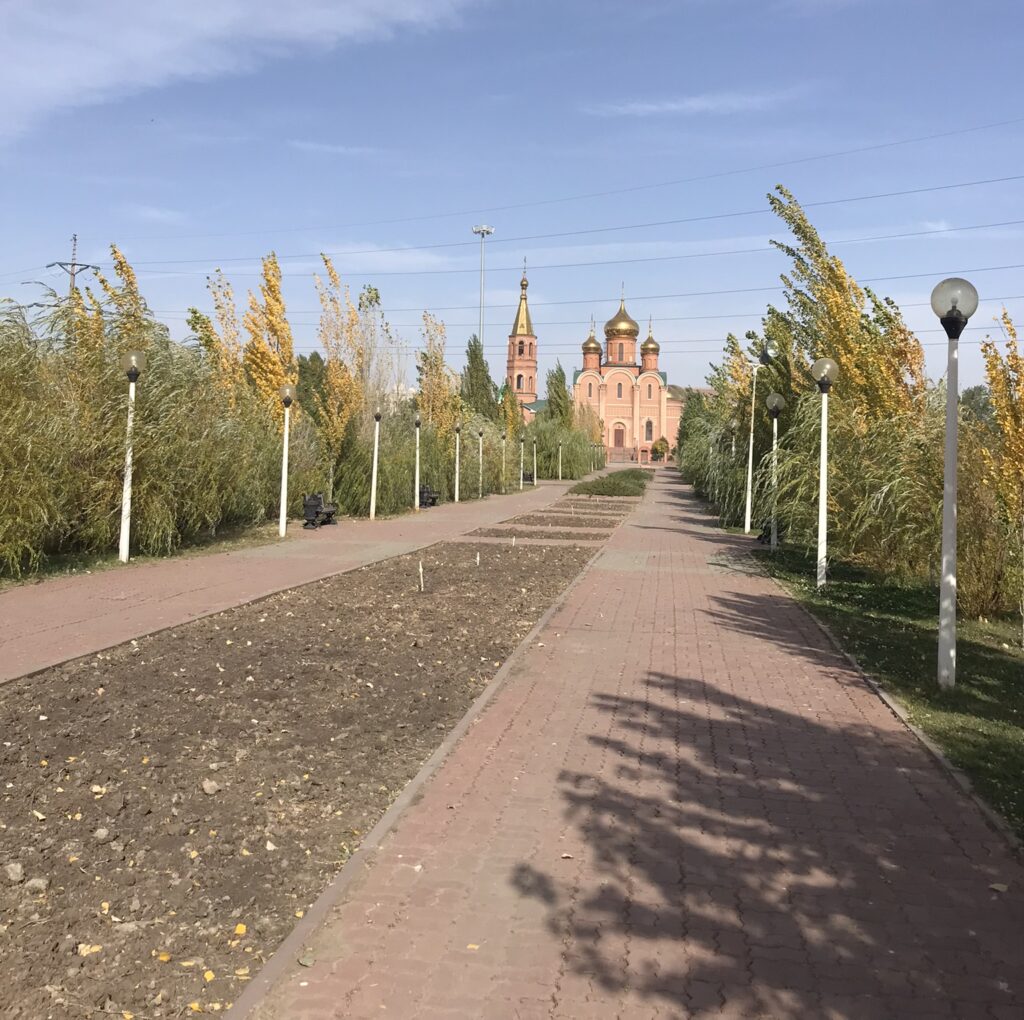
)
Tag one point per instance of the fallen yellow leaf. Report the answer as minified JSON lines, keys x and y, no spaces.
{"x":245,"y":853}
{"x":208,"y":975}
{"x":84,"y":949}
{"x":127,"y":1015}
{"x":195,"y":1007}
{"x":72,"y":858}
{"x":193,"y":854}
{"x":240,"y":929}
{"x":164,"y":957}
{"x":241,"y":972}
{"x":105,"y":907}
{"x":300,"y":913}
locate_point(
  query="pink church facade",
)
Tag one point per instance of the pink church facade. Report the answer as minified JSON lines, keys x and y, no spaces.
{"x":630,"y":398}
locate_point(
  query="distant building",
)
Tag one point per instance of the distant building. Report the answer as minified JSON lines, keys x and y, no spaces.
{"x":521,"y":370}
{"x":633,"y":401}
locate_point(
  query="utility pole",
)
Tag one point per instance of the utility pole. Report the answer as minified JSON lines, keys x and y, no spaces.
{"x":72,"y":267}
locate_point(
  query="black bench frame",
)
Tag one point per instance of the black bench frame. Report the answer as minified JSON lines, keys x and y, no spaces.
{"x":316,"y":511}
{"x":428,"y":497}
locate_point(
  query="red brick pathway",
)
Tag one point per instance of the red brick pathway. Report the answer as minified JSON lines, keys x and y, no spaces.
{"x":682,"y":803}
{"x":61,"y":618}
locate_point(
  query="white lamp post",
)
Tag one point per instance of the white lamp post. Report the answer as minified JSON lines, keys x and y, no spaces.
{"x":776,"y":405}
{"x":287,"y":392}
{"x":764,"y":358}
{"x":458,"y":443}
{"x":733,"y":426}
{"x":480,"y":479}
{"x":132,"y":364}
{"x":535,"y":463}
{"x":503,"y":438}
{"x":559,"y":459}
{"x":954,"y":301}
{"x":824,"y":372}
{"x":376,"y":457}
{"x":522,"y":453}
{"x":416,"y":470}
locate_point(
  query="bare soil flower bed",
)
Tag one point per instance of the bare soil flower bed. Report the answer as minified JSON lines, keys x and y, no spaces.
{"x":567,"y":536}
{"x":565,"y":521}
{"x":168,"y":808}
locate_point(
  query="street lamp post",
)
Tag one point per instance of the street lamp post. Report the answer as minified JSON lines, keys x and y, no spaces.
{"x":376,"y":461}
{"x":954,"y":301}
{"x":733,"y":426}
{"x":132,"y":364}
{"x":287,"y":392}
{"x":522,"y":449}
{"x":535,"y":463}
{"x":559,"y":459}
{"x":480,"y":479}
{"x":504,"y":437}
{"x":416,"y":471}
{"x":824,"y":372}
{"x":764,"y":358}
{"x":776,"y":405}
{"x":458,"y":445}
{"x":482,"y":230}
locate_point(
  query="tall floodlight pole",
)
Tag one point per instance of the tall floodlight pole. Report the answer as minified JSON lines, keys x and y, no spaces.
{"x":480,"y":479}
{"x":132,"y":364}
{"x":954,"y":301}
{"x":287,"y":392}
{"x":416,"y":472}
{"x":764,"y":358}
{"x":376,"y":462}
{"x":824,"y":372}
{"x":776,"y":405}
{"x":482,"y":230}
{"x":458,"y":445}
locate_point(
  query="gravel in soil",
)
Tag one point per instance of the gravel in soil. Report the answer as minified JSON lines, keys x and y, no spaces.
{"x":171,"y":806}
{"x":564,"y":521}
{"x":570,"y":536}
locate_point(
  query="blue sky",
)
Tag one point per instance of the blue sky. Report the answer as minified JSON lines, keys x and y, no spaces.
{"x":205,"y":134}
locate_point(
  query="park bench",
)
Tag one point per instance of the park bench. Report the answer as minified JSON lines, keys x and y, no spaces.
{"x":427,"y":496}
{"x":528,"y":478}
{"x":765,"y":538}
{"x":317,"y":511}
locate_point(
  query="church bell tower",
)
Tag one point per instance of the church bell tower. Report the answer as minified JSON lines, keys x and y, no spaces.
{"x":521,"y":374}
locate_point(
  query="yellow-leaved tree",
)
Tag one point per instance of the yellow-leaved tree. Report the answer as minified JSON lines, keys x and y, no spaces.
{"x":268,"y":355}
{"x":438,"y":398}
{"x":340,"y":396}
{"x":222,"y":345}
{"x":1004,"y":458}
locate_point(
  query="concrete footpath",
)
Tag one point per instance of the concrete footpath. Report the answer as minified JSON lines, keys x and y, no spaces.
{"x":61,"y":618}
{"x":681,"y":803}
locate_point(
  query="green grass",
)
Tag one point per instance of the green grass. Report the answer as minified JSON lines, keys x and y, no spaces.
{"x":630,"y":482}
{"x":891,"y":630}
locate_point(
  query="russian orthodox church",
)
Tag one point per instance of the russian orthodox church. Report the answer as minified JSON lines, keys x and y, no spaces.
{"x":631,"y":399}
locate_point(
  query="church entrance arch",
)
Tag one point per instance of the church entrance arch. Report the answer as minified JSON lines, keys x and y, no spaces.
{"x":619,"y":437}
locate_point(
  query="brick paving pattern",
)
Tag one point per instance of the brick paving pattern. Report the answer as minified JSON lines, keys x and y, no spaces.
{"x":682,"y":803}
{"x":64,"y":617}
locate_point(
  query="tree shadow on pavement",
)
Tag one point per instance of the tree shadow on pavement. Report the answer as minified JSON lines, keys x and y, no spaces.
{"x":742,"y":860}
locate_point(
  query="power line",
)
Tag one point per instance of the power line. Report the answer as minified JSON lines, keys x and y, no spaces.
{"x":764,"y":210}
{"x":874,"y":147}
{"x":620,"y":262}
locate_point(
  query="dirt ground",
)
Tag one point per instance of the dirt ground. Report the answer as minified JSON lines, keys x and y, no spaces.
{"x":568,"y":536}
{"x":565,"y":521}
{"x":168,"y":808}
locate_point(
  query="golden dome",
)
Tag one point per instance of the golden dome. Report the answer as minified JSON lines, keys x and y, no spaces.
{"x":590,"y":345}
{"x":650,"y":345}
{"x":621,"y":324}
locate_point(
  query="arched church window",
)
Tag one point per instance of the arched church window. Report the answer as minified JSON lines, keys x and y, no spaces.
{"x":622,"y":352}
{"x":531,"y":383}
{"x":590,"y":389}
{"x":531,"y":350}
{"x":650,"y":390}
{"x":519,"y":382}
{"x":522,"y":348}
{"x":618,"y":391}
{"x":649,"y":431}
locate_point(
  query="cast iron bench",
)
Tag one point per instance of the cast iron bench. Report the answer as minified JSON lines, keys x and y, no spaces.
{"x":316,"y":511}
{"x":427,"y":496}
{"x":527,"y":478}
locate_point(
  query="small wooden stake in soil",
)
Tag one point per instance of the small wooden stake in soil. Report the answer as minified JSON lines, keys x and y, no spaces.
{"x":478,"y":559}
{"x":421,"y":575}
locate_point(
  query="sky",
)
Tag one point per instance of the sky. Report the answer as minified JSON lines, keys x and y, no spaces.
{"x":612,"y":144}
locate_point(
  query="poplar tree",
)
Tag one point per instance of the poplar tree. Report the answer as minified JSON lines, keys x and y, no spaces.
{"x":478,"y":389}
{"x":559,"y":407}
{"x":268,"y":355}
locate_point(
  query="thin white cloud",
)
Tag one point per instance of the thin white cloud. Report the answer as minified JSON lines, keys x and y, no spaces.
{"x":154,"y":213}
{"x":331,"y":149}
{"x":59,"y":55}
{"x":706,"y":104}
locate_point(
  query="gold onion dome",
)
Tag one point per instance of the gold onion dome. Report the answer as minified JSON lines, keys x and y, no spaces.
{"x":621,"y":324}
{"x":650,"y":345}
{"x":590,"y":345}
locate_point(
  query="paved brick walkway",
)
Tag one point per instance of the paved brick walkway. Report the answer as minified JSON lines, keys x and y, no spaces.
{"x":682,"y":803}
{"x":62,"y":618}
